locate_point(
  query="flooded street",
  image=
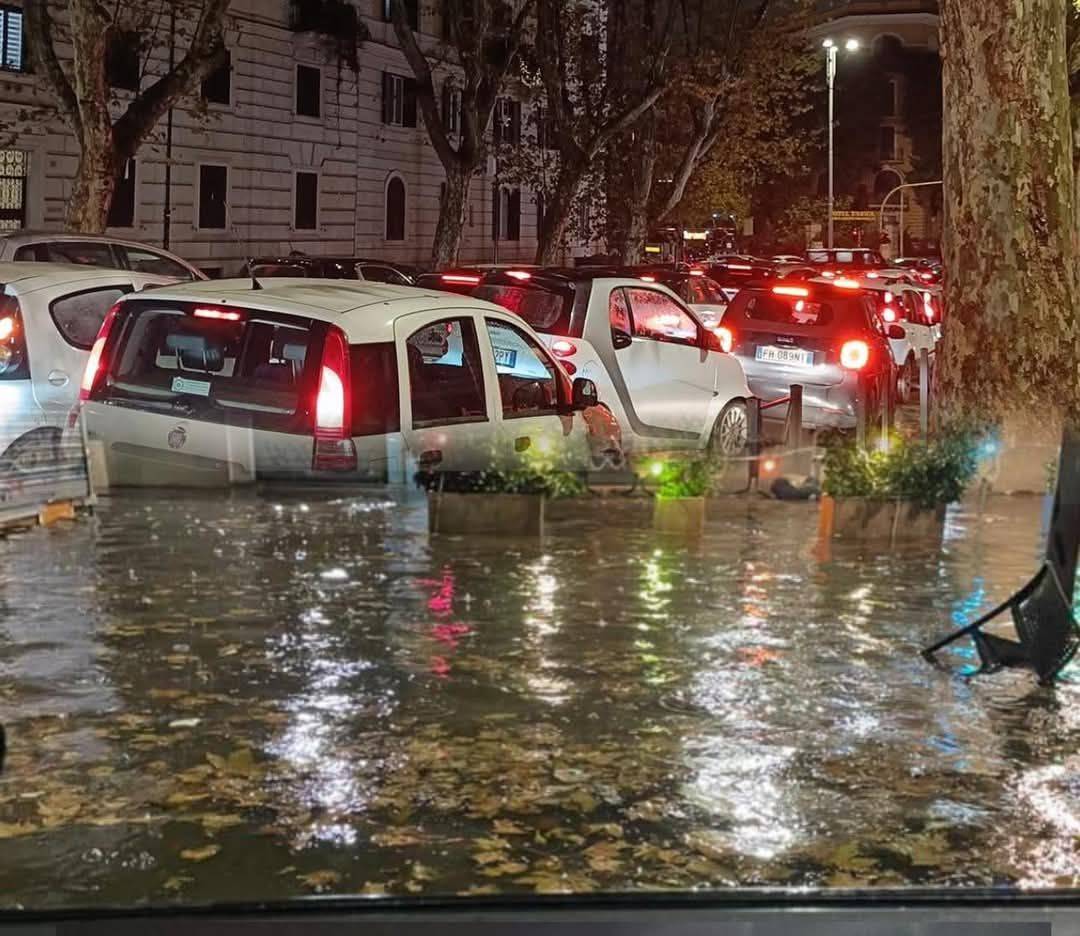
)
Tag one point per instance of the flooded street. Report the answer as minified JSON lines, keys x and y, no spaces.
{"x":274,"y":693}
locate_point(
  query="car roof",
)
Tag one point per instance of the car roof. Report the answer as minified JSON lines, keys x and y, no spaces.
{"x":33,"y":236}
{"x":365,"y":310}
{"x":28,"y":276}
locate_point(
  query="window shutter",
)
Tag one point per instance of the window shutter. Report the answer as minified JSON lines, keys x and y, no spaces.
{"x":410,"y":103}
{"x":513,"y":221}
{"x":387,"y":98}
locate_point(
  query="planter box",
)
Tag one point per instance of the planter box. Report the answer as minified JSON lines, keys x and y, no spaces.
{"x":864,"y":520}
{"x":679,"y":515}
{"x":500,"y":514}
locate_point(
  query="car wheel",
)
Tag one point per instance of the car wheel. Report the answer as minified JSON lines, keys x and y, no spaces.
{"x":905,"y":382}
{"x":731,"y":433}
{"x":39,"y":448}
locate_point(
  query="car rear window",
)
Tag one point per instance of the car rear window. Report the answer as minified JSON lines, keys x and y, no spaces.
{"x":547,"y":312}
{"x":189,"y":359}
{"x":790,"y":310}
{"x":376,"y":406}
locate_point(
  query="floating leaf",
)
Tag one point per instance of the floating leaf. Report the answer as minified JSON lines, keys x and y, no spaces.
{"x":395,"y":838}
{"x":504,"y":869}
{"x":488,"y":857}
{"x":506,"y":827}
{"x":200,"y":854}
{"x":176,"y":882}
{"x":320,"y":880}
{"x":185,"y":723}
{"x":422,"y":872}
{"x":184,"y":799}
{"x":215,"y":822}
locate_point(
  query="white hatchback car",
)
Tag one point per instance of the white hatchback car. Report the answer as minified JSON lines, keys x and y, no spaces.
{"x":98,"y":250}
{"x":911,"y":307}
{"x":227,"y":381}
{"x":50,"y":315}
{"x":670,"y":382}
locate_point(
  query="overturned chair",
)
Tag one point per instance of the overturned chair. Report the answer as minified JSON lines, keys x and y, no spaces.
{"x":1042,"y":611}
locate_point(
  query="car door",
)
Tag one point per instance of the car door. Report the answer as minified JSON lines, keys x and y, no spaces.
{"x":670,"y":376}
{"x":536,"y":428}
{"x":448,"y":412}
{"x":82,"y":253}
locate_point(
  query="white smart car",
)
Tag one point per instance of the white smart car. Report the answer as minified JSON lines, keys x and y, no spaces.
{"x":227,"y":381}
{"x":911,"y":307}
{"x":50,"y":315}
{"x":669,"y":381}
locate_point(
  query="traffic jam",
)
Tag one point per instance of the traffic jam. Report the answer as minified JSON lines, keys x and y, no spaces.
{"x":340,"y":368}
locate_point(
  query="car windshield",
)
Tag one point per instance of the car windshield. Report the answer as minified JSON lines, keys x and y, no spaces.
{"x":556,"y":502}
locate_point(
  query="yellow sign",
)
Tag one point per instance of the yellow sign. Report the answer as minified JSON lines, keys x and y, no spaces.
{"x":652,"y":248}
{"x":855,"y":216}
{"x":695,"y":235}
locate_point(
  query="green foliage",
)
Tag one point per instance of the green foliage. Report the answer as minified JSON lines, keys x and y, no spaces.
{"x":553,"y":483}
{"x":928,"y":473}
{"x":682,"y":477}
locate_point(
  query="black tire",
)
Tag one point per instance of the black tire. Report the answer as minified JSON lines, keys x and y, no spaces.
{"x":731,"y":432}
{"x":906,"y":382}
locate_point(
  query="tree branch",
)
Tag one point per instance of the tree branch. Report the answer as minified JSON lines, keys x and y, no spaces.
{"x":616,"y":125}
{"x":39,"y":34}
{"x":206,"y":52}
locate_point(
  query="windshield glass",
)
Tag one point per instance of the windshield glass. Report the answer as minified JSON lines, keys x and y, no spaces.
{"x":550,"y":495}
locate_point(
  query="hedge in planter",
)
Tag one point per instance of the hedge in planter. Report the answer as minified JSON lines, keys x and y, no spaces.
{"x":682,"y":484}
{"x":895,"y":494}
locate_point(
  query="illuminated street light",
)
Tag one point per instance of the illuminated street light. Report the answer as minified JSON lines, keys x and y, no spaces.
{"x":851,"y":45}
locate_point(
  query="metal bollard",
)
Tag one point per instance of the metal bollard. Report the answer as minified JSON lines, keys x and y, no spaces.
{"x":753,"y":441}
{"x":860,"y":415}
{"x":924,"y":392}
{"x":886,"y":417}
{"x":793,"y":437}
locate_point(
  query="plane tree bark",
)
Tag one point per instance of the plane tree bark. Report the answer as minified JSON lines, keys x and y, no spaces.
{"x":83,"y":95}
{"x":1012,"y":341}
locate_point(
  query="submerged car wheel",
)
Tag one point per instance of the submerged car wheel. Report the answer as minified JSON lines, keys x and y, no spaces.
{"x":905,"y":382}
{"x":732,"y":430}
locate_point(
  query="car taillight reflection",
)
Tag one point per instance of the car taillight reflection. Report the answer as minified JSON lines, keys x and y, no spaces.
{"x":95,"y":366}
{"x":726,"y":336}
{"x":7,"y":328}
{"x":855,"y":355}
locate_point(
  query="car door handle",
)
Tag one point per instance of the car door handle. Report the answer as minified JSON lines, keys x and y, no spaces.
{"x":522,"y":443}
{"x":430,"y":458}
{"x":58,"y":378}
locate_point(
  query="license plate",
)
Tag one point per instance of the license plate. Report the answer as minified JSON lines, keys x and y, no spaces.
{"x":505,"y":357}
{"x":772,"y":355}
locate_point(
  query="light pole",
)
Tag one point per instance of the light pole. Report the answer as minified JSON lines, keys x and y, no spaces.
{"x":831,"y":49}
{"x":885,"y":201}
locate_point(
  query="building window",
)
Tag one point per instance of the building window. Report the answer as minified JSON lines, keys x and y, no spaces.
{"x":412,"y":12}
{"x":451,"y":107}
{"x":213,"y":197}
{"x":506,"y":215}
{"x":217,"y":86}
{"x":308,"y":91}
{"x":399,"y":100}
{"x":14,"y":168}
{"x":11,"y":40}
{"x":122,"y":209}
{"x":122,"y":60}
{"x":395,"y":210}
{"x":507,"y":127}
{"x":306,"y":201}
{"x":888,"y":143}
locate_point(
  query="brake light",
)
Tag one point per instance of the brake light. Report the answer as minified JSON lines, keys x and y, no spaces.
{"x":828,"y":274}
{"x":461,"y":279}
{"x":697,"y":272}
{"x":220,"y":314}
{"x":726,"y":336}
{"x":871,"y":275}
{"x":927,"y":276}
{"x":7,"y":328}
{"x":847,"y":283}
{"x":334,"y":448}
{"x":518,"y":274}
{"x":889,"y":297}
{"x":739,"y":266}
{"x":95,"y":369}
{"x":888,"y":314}
{"x":563,"y":349}
{"x":648,"y":279}
{"x":791,"y":291}
{"x":855,"y":355}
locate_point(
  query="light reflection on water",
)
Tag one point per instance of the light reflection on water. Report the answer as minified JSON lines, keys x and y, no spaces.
{"x":742,"y":711}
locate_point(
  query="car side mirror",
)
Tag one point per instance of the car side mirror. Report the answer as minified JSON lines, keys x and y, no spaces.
{"x":896,"y":331}
{"x":620,"y":339}
{"x":584,"y":395}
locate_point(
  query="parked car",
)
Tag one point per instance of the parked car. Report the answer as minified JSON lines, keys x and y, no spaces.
{"x":702,"y":294}
{"x":928,"y":270}
{"x":50,"y":314}
{"x":667,"y":378}
{"x":826,"y":337}
{"x":787,"y":258}
{"x":351,"y":268}
{"x":95,"y":250}
{"x":845,"y":261}
{"x":463,"y":280}
{"x":734,"y":274}
{"x":915,"y":311}
{"x":216,"y":383}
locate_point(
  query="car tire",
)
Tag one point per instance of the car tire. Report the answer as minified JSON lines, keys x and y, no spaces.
{"x":34,"y":450}
{"x":731,"y":432}
{"x":906,"y":382}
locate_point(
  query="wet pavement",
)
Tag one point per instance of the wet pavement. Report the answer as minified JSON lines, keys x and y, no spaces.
{"x":221,"y":697}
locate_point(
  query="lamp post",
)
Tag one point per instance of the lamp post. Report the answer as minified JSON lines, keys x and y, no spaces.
{"x":831,"y":48}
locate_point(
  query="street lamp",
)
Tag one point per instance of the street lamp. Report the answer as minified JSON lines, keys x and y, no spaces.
{"x":831,"y":48}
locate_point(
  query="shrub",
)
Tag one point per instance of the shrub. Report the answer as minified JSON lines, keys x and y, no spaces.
{"x":683,"y":477}
{"x":552,"y":483}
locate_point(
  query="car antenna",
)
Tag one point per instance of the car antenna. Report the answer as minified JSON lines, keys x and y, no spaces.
{"x":255,"y":284}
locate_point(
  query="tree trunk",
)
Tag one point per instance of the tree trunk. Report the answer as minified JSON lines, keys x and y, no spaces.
{"x":452,"y":208}
{"x":93,"y":186}
{"x":557,"y":212}
{"x":1010,"y":243}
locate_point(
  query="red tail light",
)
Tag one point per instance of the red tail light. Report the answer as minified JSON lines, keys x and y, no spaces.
{"x":855,"y":355}
{"x":461,"y":279}
{"x":697,"y":272}
{"x":7,"y":327}
{"x":95,"y":365}
{"x":726,"y":336}
{"x":799,"y":291}
{"x":519,"y":274}
{"x":334,"y":448}
{"x":845,"y":283}
{"x":563,"y":349}
{"x":221,"y":314}
{"x":889,"y":314}
{"x":648,"y":279}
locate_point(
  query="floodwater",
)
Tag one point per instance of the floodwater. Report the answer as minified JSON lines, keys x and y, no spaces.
{"x":266,"y":694}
